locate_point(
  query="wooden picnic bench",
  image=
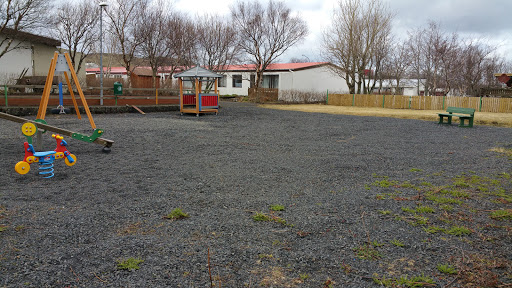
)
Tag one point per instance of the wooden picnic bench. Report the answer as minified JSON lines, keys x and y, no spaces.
{"x":463,"y":114}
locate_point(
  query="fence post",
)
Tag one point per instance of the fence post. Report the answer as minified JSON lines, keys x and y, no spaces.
{"x":327,"y":99}
{"x":353,"y":99}
{"x":156,"y":96}
{"x":5,"y":90}
{"x":444,"y":97}
{"x":480,"y":109}
{"x":410,"y":100}
{"x":383,"y":100}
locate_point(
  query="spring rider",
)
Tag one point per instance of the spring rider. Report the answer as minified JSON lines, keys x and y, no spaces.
{"x":46,"y":158}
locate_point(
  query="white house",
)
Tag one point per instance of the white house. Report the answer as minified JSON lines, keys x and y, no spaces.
{"x":32,"y":53}
{"x":407,"y":87}
{"x":306,"y":77}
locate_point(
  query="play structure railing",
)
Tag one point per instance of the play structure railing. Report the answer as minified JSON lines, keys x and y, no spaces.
{"x":30,"y":95}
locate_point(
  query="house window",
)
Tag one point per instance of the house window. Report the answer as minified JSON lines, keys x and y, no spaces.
{"x":222,"y":81}
{"x":271,"y":81}
{"x":237,"y":81}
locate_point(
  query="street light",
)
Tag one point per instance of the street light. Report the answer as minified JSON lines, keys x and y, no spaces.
{"x":102,"y":4}
{"x":306,"y":57}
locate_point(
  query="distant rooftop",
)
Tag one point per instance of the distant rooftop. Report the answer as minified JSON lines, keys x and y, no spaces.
{"x":25,"y":36}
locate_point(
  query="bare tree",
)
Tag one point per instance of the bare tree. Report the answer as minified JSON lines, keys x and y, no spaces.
{"x":153,"y":32}
{"x":477,"y":66}
{"x":76,"y":27}
{"x":355,"y":39}
{"x":125,"y":21}
{"x":266,"y":32}
{"x":182,"y":42}
{"x":19,"y":15}
{"x":217,"y":43}
{"x":398,"y":64}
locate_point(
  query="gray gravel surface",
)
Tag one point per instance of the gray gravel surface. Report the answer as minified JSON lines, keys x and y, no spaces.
{"x":71,"y":230}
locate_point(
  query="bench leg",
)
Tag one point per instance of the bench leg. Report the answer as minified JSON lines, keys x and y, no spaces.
{"x":470,"y":122}
{"x":448,"y":119}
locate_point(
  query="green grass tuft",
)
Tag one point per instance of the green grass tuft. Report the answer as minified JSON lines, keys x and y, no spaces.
{"x":177,"y":214}
{"x":446,"y":269}
{"x":129,"y":264}
{"x":277,"y":208}
{"x":367,"y":252}
{"x":459,"y":231}
{"x":502,"y":214}
{"x":258,"y":216}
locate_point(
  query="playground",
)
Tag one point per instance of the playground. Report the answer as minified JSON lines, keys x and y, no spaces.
{"x":257,"y":197}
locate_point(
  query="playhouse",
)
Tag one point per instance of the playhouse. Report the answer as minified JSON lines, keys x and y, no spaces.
{"x":198,"y":91}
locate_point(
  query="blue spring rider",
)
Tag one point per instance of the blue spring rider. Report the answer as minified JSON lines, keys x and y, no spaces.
{"x":46,"y":158}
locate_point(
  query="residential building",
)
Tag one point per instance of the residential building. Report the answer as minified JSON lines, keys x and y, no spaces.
{"x":307,"y":77}
{"x":407,"y":87}
{"x":29,"y":53}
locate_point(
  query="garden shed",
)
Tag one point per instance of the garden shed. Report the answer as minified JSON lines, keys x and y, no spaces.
{"x":201,"y":95}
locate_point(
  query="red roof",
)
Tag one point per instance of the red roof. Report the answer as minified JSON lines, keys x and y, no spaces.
{"x":111,"y":70}
{"x":244,"y":67}
{"x":276,"y":66}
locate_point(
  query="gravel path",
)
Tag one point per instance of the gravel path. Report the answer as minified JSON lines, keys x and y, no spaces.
{"x":343,"y":181}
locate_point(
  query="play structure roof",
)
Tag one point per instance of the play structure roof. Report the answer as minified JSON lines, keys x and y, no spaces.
{"x":197,"y":72}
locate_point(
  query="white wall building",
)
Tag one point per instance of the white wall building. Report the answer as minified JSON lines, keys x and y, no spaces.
{"x":407,"y":87}
{"x":32,"y":53}
{"x":306,"y":77}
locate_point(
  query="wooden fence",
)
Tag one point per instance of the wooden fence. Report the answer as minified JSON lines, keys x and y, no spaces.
{"x":481,"y":104}
{"x":30,"y":95}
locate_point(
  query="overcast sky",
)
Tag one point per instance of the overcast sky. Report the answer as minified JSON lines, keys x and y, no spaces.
{"x":489,"y":19}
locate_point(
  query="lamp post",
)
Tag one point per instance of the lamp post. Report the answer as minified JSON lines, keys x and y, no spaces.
{"x":102,"y":4}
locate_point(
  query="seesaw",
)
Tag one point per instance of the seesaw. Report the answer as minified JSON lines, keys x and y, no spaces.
{"x":94,"y":138}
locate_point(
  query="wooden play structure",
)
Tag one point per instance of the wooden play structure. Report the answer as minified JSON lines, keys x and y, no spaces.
{"x":61,"y":65}
{"x":202,"y":100}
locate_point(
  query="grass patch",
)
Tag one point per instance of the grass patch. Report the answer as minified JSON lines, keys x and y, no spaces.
{"x":424,"y":209}
{"x":262,"y":217}
{"x":419,"y":220}
{"x":443,"y":200}
{"x":433,"y":229}
{"x":459,"y":231}
{"x":258,"y":216}
{"x":177,"y":214}
{"x":408,"y":210}
{"x":447,"y":269}
{"x":506,"y":151}
{"x":397,"y":243}
{"x":277,"y":208}
{"x":505,"y":214}
{"x":129,"y":264}
{"x":404,"y":281}
{"x":367,"y":252}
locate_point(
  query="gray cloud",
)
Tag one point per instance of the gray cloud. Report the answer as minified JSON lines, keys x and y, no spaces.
{"x":464,"y":16}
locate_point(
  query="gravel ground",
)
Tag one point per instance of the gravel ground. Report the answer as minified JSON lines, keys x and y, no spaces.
{"x":345,"y":183}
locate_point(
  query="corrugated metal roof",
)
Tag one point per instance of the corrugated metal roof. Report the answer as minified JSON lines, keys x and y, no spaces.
{"x":25,"y":36}
{"x":197,"y":72}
